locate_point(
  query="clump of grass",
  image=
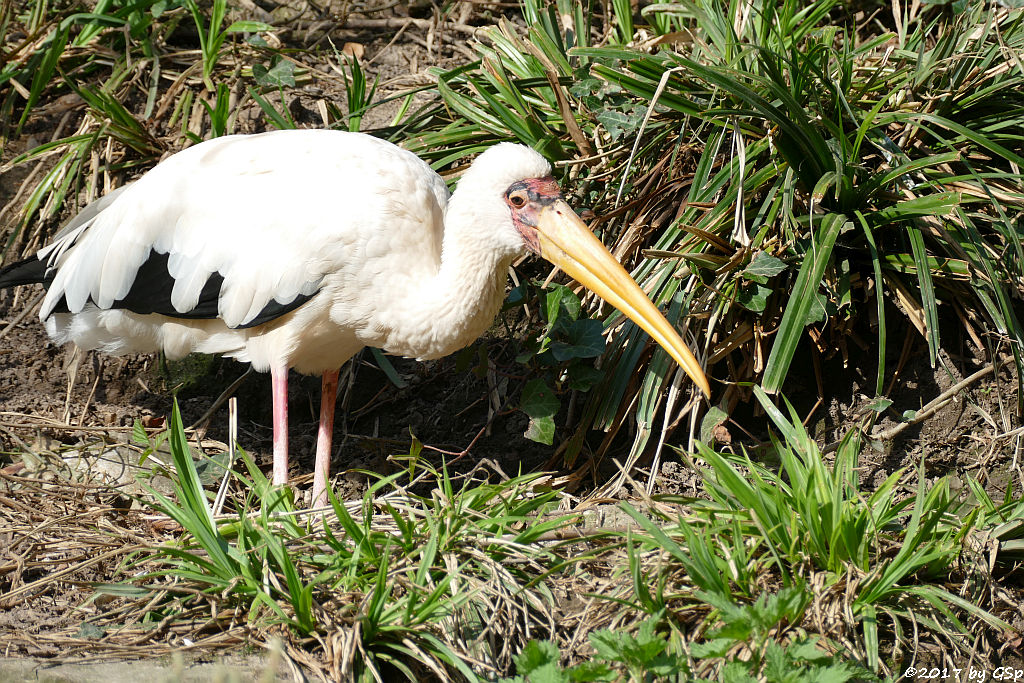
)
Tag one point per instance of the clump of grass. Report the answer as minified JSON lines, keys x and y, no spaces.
{"x":798,"y":571}
{"x":888,"y":556}
{"x":395,"y":581}
{"x":775,"y":179}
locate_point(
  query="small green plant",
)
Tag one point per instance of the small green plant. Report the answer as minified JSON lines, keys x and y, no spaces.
{"x":563,"y":356}
{"x":414,"y":580}
{"x":642,"y":657}
{"x":212,"y":35}
{"x":358,"y":97}
{"x":815,"y":516}
{"x":645,"y":656}
{"x":742,"y":649}
{"x":238,"y":557}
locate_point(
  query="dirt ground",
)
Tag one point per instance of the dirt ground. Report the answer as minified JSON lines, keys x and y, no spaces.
{"x":46,"y":570}
{"x":971,"y":435}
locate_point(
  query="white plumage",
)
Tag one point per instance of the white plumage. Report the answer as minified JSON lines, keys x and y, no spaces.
{"x":294,"y":249}
{"x":288,"y":213}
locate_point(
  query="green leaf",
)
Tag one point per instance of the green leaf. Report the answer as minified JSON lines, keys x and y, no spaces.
{"x":717,"y":647}
{"x":879,"y":301}
{"x":90,"y":631}
{"x":541,"y":430}
{"x":584,"y":339}
{"x":620,"y":121}
{"x":583,"y":377}
{"x":937,"y":204}
{"x":139,"y":434}
{"x":279,"y":119}
{"x":592,"y":670}
{"x":762,"y":267}
{"x":793,"y":320}
{"x":754,"y":298}
{"x":736,"y":672}
{"x":387,"y":368}
{"x":541,"y":405}
{"x":560,"y":300}
{"x":248,"y":27}
{"x":820,"y":308}
{"x":281,"y":73}
{"x":928,"y":301}
{"x":535,"y":655}
{"x":714,"y":417}
{"x":608,"y":644}
{"x":879,"y":405}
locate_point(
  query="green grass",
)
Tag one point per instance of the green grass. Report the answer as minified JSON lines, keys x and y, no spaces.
{"x":772,"y":178}
{"x":414,"y":580}
{"x":799,"y":139}
{"x":798,"y":571}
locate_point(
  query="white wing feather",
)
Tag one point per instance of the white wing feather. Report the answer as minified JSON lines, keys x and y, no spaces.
{"x":273,"y":214}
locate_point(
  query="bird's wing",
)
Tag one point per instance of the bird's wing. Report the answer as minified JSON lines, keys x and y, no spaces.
{"x":246,"y":228}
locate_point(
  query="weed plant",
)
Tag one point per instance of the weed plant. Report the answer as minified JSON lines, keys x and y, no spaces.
{"x":783,"y":178}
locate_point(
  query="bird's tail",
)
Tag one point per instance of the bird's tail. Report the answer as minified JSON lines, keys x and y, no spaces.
{"x":25,"y":272}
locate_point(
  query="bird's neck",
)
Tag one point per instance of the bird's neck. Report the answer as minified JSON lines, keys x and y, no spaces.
{"x":459,"y":303}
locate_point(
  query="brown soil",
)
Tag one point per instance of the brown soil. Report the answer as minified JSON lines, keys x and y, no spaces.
{"x":442,"y":407}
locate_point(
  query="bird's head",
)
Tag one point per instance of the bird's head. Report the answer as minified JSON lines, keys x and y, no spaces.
{"x":533,"y":215}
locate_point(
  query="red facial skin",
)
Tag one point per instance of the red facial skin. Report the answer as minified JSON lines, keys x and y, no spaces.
{"x":525,"y":200}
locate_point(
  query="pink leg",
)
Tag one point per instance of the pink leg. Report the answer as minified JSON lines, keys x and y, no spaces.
{"x":322,"y":468}
{"x":279,"y":392}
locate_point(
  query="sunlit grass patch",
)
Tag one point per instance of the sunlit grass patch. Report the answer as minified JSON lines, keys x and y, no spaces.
{"x":788,"y":181}
{"x":799,"y":569}
{"x":445,"y":582}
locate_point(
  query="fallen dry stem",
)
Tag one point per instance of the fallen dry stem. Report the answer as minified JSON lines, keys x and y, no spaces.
{"x":934,"y":405}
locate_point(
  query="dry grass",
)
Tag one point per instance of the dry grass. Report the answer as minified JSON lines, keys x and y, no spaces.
{"x":66,"y":541}
{"x":62,"y":534}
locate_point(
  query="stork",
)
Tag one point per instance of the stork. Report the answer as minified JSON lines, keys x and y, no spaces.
{"x":294,"y":249}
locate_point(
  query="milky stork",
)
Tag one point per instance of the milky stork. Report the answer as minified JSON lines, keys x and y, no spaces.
{"x":297,"y":248}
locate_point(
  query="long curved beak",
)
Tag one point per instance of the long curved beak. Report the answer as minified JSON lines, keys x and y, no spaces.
{"x":566,"y":242}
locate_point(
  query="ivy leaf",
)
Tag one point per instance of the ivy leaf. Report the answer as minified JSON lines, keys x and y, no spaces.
{"x":583,"y":377}
{"x":561,"y":300}
{"x":541,"y":430}
{"x":516,"y":297}
{"x":619,"y":122}
{"x":820,"y":307}
{"x":541,"y":405}
{"x":586,"y":86}
{"x":280,"y":73}
{"x":762,"y":267}
{"x":583,"y":340}
{"x":755,"y":298}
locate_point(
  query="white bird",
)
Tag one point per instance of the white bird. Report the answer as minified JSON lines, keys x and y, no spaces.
{"x":297,"y":248}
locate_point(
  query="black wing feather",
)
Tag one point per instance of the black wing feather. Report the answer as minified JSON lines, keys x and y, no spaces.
{"x":151,"y":291}
{"x":25,"y":272}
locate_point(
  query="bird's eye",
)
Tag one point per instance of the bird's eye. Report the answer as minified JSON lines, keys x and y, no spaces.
{"x":517,"y":200}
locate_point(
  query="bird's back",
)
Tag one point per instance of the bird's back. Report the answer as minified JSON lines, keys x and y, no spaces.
{"x":224,"y":248}
{"x":271,"y":213}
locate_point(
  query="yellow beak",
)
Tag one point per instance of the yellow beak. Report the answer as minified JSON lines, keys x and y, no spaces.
{"x":566,"y":242}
